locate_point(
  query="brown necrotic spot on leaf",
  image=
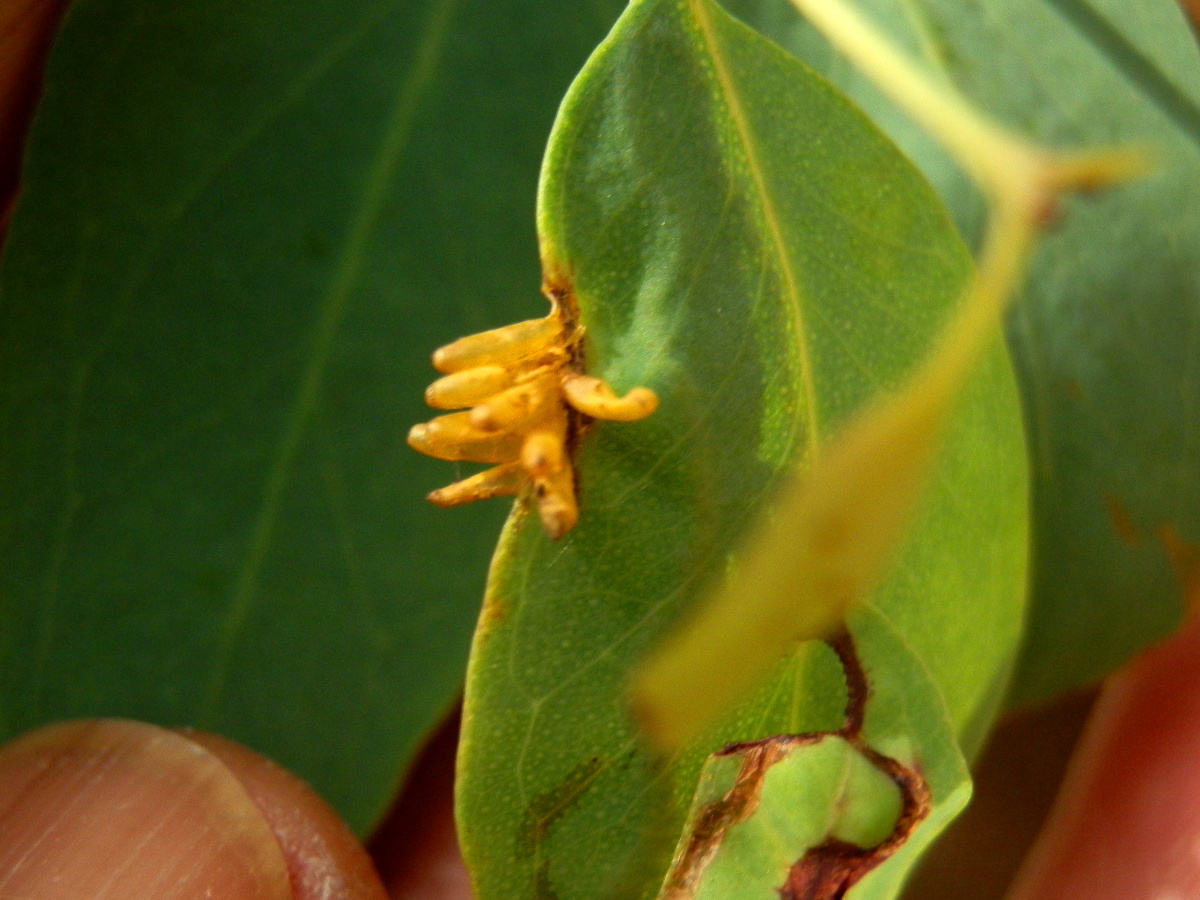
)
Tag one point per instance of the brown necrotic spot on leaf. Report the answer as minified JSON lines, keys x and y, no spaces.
{"x":858,"y":689}
{"x":737,"y":805}
{"x":1192,"y":8}
{"x":829,"y":869}
{"x":836,"y":866}
{"x":560,"y":291}
{"x":1122,"y":524}
{"x":549,"y":806}
{"x":1185,"y":560}
{"x":546,"y":809}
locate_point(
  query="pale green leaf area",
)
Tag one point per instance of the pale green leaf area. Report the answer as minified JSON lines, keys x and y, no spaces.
{"x":828,"y":790}
{"x":747,"y":244}
{"x":1107,"y":335}
{"x":854,"y":802}
{"x":242,"y":230}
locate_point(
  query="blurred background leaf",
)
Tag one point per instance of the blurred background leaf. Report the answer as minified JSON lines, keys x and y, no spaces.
{"x":742,"y":240}
{"x":1107,"y":338}
{"x":242,"y":229}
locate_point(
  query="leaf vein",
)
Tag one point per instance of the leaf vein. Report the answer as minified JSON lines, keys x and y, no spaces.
{"x":767,"y":207}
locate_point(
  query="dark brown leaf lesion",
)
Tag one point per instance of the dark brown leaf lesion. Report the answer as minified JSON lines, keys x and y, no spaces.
{"x":828,"y":870}
{"x":737,"y":805}
{"x":549,"y":806}
{"x":1192,"y":8}
{"x":543,"y":811}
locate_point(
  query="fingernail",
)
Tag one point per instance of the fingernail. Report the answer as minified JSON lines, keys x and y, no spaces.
{"x":116,"y":809}
{"x":325,"y":860}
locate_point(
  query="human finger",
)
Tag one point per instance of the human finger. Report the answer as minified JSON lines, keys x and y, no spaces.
{"x":1126,"y":823}
{"x":111,"y":808}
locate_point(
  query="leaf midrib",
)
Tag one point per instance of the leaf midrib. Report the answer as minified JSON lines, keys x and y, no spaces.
{"x":770,"y":216}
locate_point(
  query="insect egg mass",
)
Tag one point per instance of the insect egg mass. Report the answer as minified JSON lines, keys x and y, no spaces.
{"x":519,"y":383}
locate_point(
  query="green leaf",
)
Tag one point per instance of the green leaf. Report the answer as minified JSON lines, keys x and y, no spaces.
{"x":816,"y":792}
{"x":242,"y":230}
{"x":1105,"y":340}
{"x":742,"y":240}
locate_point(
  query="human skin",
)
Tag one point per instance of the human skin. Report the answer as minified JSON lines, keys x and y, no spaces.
{"x":113,"y":808}
{"x":1126,"y":823}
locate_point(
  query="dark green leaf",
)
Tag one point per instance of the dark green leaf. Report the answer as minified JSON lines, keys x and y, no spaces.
{"x":742,"y":240}
{"x":243,"y":228}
